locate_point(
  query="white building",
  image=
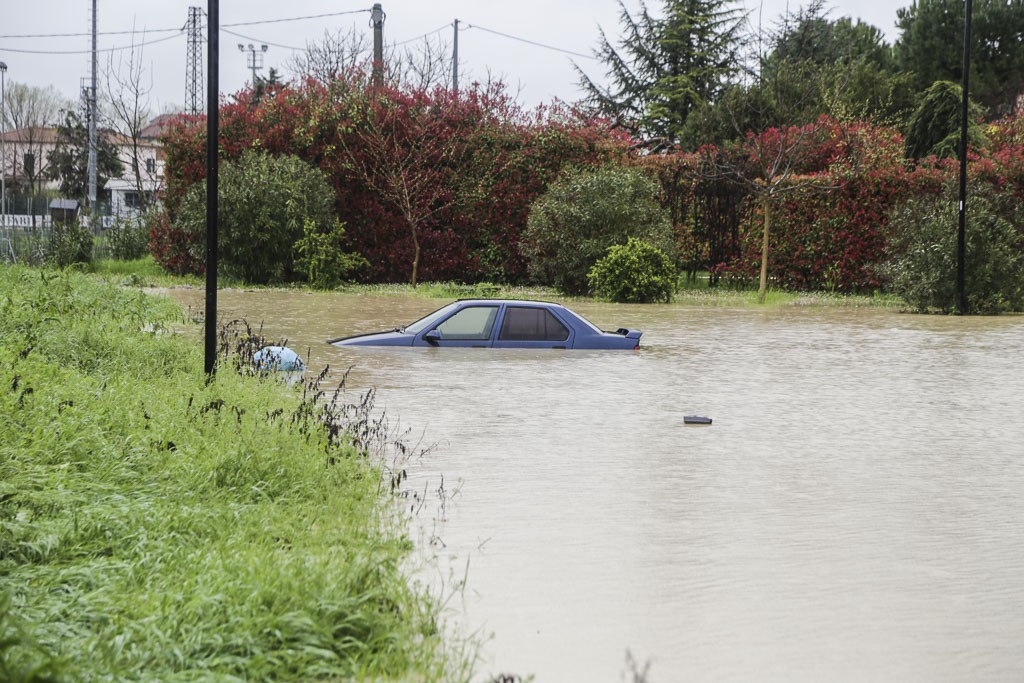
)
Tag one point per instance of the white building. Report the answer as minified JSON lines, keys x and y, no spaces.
{"x":26,"y":152}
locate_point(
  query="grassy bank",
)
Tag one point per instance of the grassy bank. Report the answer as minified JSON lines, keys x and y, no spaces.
{"x":154,"y":526}
{"x":145,"y":273}
{"x":695,"y":295}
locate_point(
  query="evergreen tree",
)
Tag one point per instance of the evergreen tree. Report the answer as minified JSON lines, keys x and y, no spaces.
{"x":935,"y":126}
{"x":814,"y":66}
{"x":69,"y":160}
{"x":842,"y":68}
{"x":810,"y":36}
{"x":931,"y":47}
{"x":666,"y":67}
{"x":268,"y":86}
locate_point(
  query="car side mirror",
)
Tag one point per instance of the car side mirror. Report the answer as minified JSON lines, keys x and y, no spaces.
{"x":432,"y":337}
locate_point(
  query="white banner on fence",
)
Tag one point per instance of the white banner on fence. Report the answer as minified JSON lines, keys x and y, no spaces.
{"x":22,"y":220}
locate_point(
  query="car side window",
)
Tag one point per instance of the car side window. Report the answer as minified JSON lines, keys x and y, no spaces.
{"x":531,"y":324}
{"x":474,"y":322}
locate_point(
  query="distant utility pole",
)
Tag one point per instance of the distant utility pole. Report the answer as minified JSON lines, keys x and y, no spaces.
{"x":377,"y":17}
{"x":194,"y":63}
{"x":255,"y":59}
{"x":455,"y":60}
{"x":92,"y":119}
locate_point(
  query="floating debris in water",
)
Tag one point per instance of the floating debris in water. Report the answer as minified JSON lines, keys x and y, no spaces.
{"x":696,"y":420}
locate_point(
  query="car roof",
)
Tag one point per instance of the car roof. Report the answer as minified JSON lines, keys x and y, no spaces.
{"x":525,"y":302}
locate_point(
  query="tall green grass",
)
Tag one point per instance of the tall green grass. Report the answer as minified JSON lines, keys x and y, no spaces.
{"x":158,"y":526}
{"x":142,"y":272}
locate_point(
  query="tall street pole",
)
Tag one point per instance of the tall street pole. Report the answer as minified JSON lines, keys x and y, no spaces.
{"x":255,"y":59}
{"x":3,"y":152}
{"x":93,"y":144}
{"x":212,"y":126}
{"x":961,"y":236}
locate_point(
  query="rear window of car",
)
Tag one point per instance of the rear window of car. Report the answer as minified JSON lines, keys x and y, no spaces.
{"x":531,"y":324}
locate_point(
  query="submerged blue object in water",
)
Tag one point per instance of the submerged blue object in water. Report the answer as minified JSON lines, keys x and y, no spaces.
{"x":278,"y":358}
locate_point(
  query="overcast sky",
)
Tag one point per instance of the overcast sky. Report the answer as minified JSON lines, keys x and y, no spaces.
{"x":537,"y":73}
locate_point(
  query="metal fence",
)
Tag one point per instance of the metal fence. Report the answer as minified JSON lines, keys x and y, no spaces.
{"x":26,"y":229}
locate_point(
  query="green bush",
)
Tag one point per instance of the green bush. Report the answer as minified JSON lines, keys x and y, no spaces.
{"x":322,"y":258}
{"x":127,"y":239}
{"x":922,"y":264}
{"x":934,"y":127}
{"x":265,"y":203}
{"x":635,"y":272}
{"x":70,"y":243}
{"x":584,"y":213}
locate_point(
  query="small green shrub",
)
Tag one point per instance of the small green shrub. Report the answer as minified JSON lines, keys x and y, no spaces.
{"x":127,"y":239}
{"x":922,"y":265}
{"x":322,"y":258}
{"x":584,"y":213}
{"x":635,"y":272}
{"x":70,"y":243}
{"x":264,"y":204}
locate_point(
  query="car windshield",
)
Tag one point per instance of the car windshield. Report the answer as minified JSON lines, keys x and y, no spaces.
{"x":429,"y":321}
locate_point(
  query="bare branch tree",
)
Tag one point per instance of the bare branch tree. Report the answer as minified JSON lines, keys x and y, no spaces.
{"x":773,"y":166}
{"x":409,"y":151}
{"x":334,"y":55}
{"x":31,"y":113}
{"x":127,"y":98}
{"x":424,"y":66}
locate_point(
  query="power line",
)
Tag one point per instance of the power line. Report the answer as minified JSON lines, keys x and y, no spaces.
{"x":278,"y":21}
{"x":180,"y":30}
{"x":260,"y":40}
{"x":300,"y":49}
{"x":86,"y":52}
{"x":170,"y":30}
{"x":530,"y":42}
{"x":429,"y":33}
{"x":79,"y":35}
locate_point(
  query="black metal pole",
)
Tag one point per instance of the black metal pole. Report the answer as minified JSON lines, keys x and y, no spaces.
{"x":212,"y":125}
{"x":961,"y":236}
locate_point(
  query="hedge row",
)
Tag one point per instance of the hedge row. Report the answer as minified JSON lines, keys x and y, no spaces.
{"x":829,"y":186}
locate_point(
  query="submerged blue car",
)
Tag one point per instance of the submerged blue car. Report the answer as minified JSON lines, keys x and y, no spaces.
{"x":500,"y":323}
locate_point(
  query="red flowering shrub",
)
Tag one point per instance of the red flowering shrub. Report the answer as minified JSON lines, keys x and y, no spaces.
{"x":477,"y":203}
{"x":829,"y":233}
{"x":704,"y":207}
{"x":829,"y":212}
{"x":177,"y":251}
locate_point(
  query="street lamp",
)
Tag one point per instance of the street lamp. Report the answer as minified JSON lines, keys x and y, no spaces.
{"x":255,"y":59}
{"x":3,"y":149}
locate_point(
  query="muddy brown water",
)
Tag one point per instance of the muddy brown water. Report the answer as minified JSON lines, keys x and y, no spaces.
{"x":855,"y":512}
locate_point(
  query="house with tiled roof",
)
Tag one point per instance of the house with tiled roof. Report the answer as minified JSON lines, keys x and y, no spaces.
{"x":26,"y":164}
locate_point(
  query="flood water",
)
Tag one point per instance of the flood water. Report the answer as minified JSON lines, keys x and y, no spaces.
{"x":855,"y":512}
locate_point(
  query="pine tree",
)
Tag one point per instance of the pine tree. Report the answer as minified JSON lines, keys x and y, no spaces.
{"x":68,"y":161}
{"x":666,"y":67}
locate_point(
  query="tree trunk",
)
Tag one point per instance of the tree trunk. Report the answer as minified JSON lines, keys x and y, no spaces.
{"x":762,"y":290}
{"x":415,"y":255}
